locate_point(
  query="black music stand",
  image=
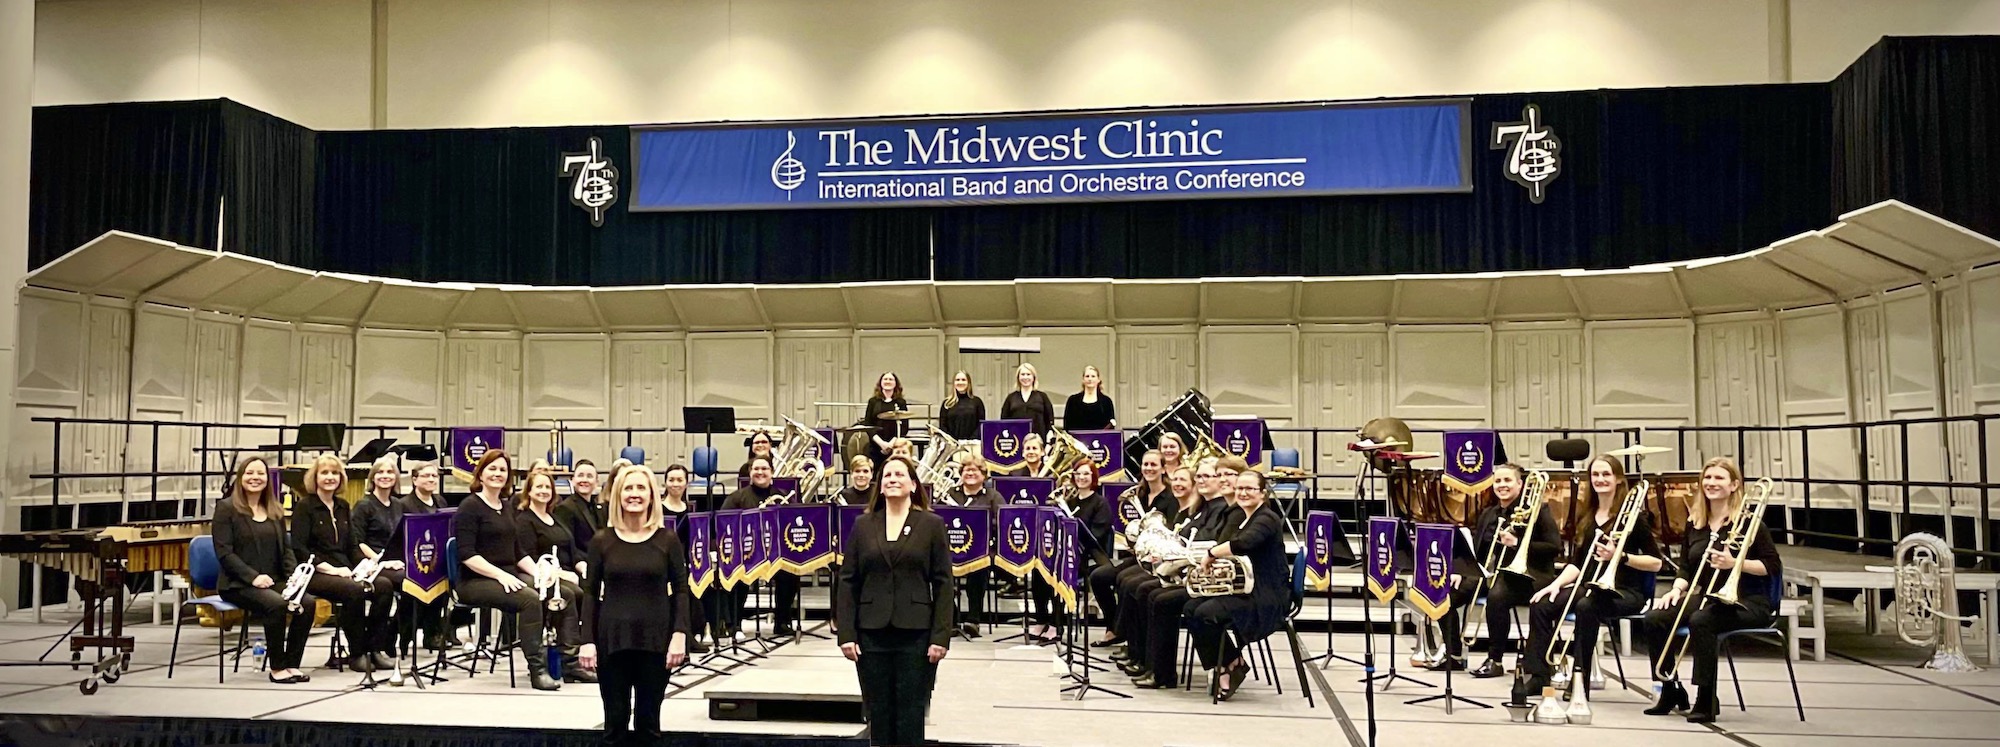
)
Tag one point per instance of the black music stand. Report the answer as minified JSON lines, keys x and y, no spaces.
{"x":1448,"y":696}
{"x":1078,"y":628}
{"x":1342,"y":550}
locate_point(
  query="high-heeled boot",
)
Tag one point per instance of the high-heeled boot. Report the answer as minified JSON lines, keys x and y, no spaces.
{"x":538,"y":674}
{"x":1673,"y":697}
{"x":1705,"y":707}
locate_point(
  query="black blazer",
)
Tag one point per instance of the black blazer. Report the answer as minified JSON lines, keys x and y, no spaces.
{"x":245,"y":552}
{"x":903,"y":584}
{"x":327,"y":535}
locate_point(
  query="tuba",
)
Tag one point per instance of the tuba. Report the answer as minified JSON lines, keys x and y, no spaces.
{"x":938,"y":470}
{"x":1927,"y":601}
{"x":1152,"y":540}
{"x":295,"y":587}
{"x":1736,"y":541}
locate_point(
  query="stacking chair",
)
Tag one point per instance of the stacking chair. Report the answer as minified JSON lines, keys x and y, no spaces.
{"x":205,"y":570}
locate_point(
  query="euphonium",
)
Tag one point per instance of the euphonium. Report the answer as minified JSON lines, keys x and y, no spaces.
{"x":295,"y":587}
{"x":938,"y":468}
{"x":1064,"y":454}
{"x":1735,"y":540}
{"x":1154,"y":540}
{"x":1927,"y":601}
{"x":797,"y":455}
{"x":1219,"y":577}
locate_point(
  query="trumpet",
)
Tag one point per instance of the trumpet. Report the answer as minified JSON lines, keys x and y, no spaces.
{"x":366,"y":571}
{"x":1520,"y":523}
{"x":295,"y":587}
{"x":548,"y":581}
{"x":1743,"y":526}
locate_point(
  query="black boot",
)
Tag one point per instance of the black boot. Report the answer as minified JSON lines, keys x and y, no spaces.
{"x":1673,"y":697}
{"x":1526,"y":686}
{"x":538,"y":674}
{"x":1705,"y":707}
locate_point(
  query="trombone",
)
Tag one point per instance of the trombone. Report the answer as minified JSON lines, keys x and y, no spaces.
{"x":1520,"y":523}
{"x":1742,"y":529}
{"x":1599,"y":574}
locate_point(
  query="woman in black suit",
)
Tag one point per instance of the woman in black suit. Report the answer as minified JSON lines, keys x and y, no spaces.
{"x":888,"y":397}
{"x":323,"y":527}
{"x":1028,"y":403}
{"x":1090,"y":409}
{"x":1256,"y":532}
{"x":894,"y":605}
{"x":256,"y":561}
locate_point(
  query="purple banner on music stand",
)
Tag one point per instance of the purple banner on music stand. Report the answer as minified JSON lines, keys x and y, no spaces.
{"x":829,"y":451}
{"x":805,"y":538}
{"x":1381,"y":566}
{"x":1015,"y":540}
{"x":1069,"y":564}
{"x":767,"y":543}
{"x":968,"y":531}
{"x":701,"y":549}
{"x":1000,"y":442}
{"x":1468,"y":459}
{"x":728,"y":552}
{"x":1430,"y":580}
{"x":424,"y":537}
{"x":1048,"y":538}
{"x":469,"y":443}
{"x":845,"y":516}
{"x":1107,"y":450}
{"x":1244,"y":438}
{"x":1024,"y":491}
{"x":1319,"y":550}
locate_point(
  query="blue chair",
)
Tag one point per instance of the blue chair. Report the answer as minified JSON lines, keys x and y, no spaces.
{"x":205,"y":570}
{"x":1287,"y":458}
{"x":704,"y":468}
{"x":633,"y":454}
{"x":1777,"y":594}
{"x":1292,"y":632}
{"x":562,"y":457}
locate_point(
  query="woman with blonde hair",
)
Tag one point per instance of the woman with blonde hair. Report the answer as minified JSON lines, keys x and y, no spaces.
{"x":635,"y":609}
{"x":378,"y":523}
{"x":256,"y":561}
{"x":962,"y":411}
{"x":1090,"y":409}
{"x":1028,"y":403}
{"x":323,"y":527}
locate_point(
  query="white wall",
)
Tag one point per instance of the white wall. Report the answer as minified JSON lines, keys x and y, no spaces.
{"x":491,"y":63}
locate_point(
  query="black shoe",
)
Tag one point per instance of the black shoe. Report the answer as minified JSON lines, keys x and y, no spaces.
{"x":292,"y":680}
{"x":540,"y":679}
{"x":360,"y":663}
{"x":1672,"y":698}
{"x":578,"y":675}
{"x":1705,"y":707}
{"x":434,"y":642}
{"x":1447,"y":664}
{"x":697,"y":646}
{"x":383,"y":661}
{"x":1149,"y":682}
{"x":783,"y":631}
{"x":1106,"y":643}
{"x":968,"y":631}
{"x":1487,"y":670}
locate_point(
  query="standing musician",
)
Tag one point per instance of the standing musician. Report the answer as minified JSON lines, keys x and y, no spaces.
{"x":496,"y":563}
{"x":541,"y":534}
{"x":423,"y":499}
{"x":377,"y":519}
{"x":256,"y":561}
{"x":636,"y":608}
{"x":1707,"y":544}
{"x":894,"y":605}
{"x":323,"y":527}
{"x":888,"y":397}
{"x":1592,"y":538}
{"x":1505,"y":591}
{"x":1153,"y":493}
{"x":962,"y":411}
{"x":1090,"y":409}
{"x":584,"y":511}
{"x":1153,"y":608}
{"x":1028,"y":403}
{"x":1255,"y":531}
{"x":787,"y":585}
{"x":674,"y":504}
{"x":860,"y":482}
{"x":972,"y":492}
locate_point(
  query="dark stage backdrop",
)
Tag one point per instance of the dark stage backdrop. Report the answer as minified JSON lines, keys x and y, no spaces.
{"x":1917,"y":119}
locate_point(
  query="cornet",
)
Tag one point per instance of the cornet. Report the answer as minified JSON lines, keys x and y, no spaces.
{"x":295,"y":587}
{"x":548,"y":581}
{"x":366,"y":571}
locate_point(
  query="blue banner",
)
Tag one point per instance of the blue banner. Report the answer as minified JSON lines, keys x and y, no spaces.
{"x":1152,"y":154}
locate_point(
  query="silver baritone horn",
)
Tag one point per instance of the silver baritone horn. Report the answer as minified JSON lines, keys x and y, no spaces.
{"x":295,"y":587}
{"x":1927,"y":601}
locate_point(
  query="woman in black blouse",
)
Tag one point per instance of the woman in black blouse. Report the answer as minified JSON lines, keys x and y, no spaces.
{"x":1592,"y":538}
{"x":894,"y":605}
{"x":378,"y":517}
{"x":1090,"y":409}
{"x":323,"y":527}
{"x":760,"y":446}
{"x":674,"y":505}
{"x":888,"y":397}
{"x":860,"y":482}
{"x":1255,"y":531}
{"x":1722,"y":487}
{"x":541,"y":534}
{"x":1507,"y":591}
{"x":497,"y":565}
{"x":256,"y":562}
{"x":635,"y":609}
{"x":423,"y":498}
{"x":1028,"y":403}
{"x":962,"y":411}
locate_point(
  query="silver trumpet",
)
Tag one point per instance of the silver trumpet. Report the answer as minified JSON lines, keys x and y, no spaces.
{"x":295,"y":587}
{"x":548,"y":581}
{"x":366,"y":571}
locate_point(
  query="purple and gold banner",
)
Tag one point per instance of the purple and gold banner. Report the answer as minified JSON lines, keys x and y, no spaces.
{"x":1000,"y":442}
{"x":805,"y":538}
{"x":701,"y":553}
{"x":1048,"y":542}
{"x":1024,"y":491}
{"x":750,"y":545}
{"x":1244,"y":438}
{"x":1107,"y":450}
{"x":767,"y":543}
{"x":728,"y":552}
{"x":846,"y":516}
{"x":786,"y":486}
{"x":829,"y":451}
{"x":424,"y":537}
{"x":1468,"y":463}
{"x":1381,"y":567}
{"x":1069,"y":574}
{"x":1430,"y":581}
{"x":969,"y":533}
{"x":1129,"y":507}
{"x":1319,"y":550}
{"x":469,"y":443}
{"x":1014,"y":549}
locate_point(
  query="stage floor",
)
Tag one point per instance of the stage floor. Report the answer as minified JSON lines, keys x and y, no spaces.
{"x":1004,"y":694}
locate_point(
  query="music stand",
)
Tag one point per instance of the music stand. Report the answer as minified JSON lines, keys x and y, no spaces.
{"x":1389,"y":507}
{"x":1343,"y":551}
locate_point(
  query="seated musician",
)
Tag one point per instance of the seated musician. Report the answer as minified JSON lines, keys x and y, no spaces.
{"x":323,"y":527}
{"x":423,"y":498}
{"x":540,"y":533}
{"x":1505,"y":591}
{"x":753,"y":495}
{"x":377,"y":517}
{"x":860,"y":481}
{"x":496,"y":562}
{"x":973,"y":492}
{"x":1710,"y":520}
{"x":760,"y":446}
{"x":1591,"y":541}
{"x":1151,"y":624}
{"x":1255,"y":531}
{"x":677,"y":506}
{"x":257,"y":562}
{"x":1090,"y":507}
{"x":1153,"y":494}
{"x":584,"y":511}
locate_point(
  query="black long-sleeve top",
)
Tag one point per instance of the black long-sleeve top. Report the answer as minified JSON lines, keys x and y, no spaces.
{"x":375,"y":525}
{"x":486,"y":532}
{"x":1207,"y":523}
{"x":1036,"y":409}
{"x":1079,"y":415}
{"x":1694,"y":556}
{"x":961,"y":419}
{"x":636,"y":596}
{"x":680,"y":518}
{"x":849,"y":496}
{"x":538,"y":536}
{"x":887,"y":430}
{"x":1544,"y":540}
{"x":1640,"y":542}
{"x":248,"y":548}
{"x":905,"y":583}
{"x":748,"y":496}
{"x":326,"y":534}
{"x":1095,"y":514}
{"x":1260,"y":537}
{"x":414,"y":505}
{"x":583,"y":515}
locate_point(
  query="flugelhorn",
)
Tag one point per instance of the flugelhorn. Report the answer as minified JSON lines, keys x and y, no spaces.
{"x":295,"y":587}
{"x":1927,"y":601}
{"x":1736,"y":541}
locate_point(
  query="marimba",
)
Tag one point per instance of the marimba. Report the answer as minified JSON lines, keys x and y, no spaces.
{"x":100,"y":561}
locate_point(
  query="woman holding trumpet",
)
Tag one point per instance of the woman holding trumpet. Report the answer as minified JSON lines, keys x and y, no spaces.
{"x":1593,"y":545}
{"x":542,"y":534}
{"x":257,"y":562}
{"x":1703,"y":599}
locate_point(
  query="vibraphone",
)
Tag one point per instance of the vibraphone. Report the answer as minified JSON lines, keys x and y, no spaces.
{"x":100,"y":561}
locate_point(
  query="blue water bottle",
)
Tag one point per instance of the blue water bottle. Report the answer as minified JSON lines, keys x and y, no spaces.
{"x":257,"y":651}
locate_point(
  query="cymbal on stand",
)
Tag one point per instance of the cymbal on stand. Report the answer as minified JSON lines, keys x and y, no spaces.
{"x":1638,"y":450}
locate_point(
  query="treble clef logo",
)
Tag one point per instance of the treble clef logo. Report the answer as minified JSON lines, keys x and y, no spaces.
{"x":787,"y":172}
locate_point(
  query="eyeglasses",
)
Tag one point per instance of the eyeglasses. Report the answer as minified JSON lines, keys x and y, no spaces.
{"x":1205,"y":475}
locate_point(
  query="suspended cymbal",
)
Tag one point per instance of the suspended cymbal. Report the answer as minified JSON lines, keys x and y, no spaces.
{"x":855,"y":428}
{"x":900,"y":415}
{"x":1638,"y":450}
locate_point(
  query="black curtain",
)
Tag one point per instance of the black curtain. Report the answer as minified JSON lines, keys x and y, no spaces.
{"x":152,"y":169}
{"x":269,"y":181}
{"x":1648,"y":176}
{"x":1917,"y":119}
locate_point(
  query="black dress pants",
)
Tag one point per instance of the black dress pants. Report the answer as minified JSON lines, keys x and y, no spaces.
{"x":284,"y":633}
{"x":1703,"y":626}
{"x":975,"y":585}
{"x":1163,"y":609}
{"x":786,"y":600}
{"x":1103,"y":583}
{"x":1591,"y":610}
{"x":352,"y":600}
{"x":896,"y":678}
{"x":632,"y":684}
{"x":480,"y":591}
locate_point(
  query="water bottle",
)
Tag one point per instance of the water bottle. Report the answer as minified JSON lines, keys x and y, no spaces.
{"x":257,"y":651}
